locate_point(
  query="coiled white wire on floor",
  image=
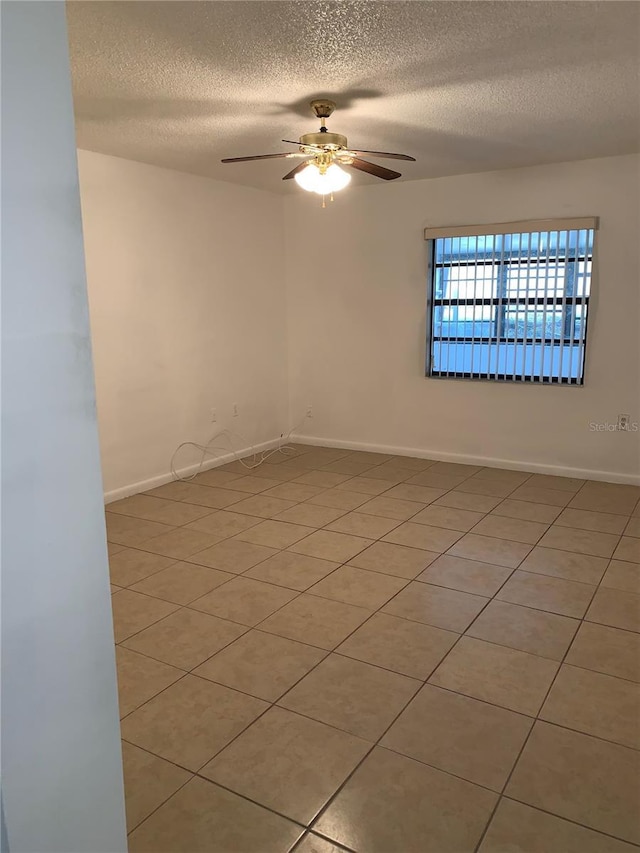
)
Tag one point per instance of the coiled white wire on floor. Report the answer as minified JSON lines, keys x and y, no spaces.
{"x":210,"y":448}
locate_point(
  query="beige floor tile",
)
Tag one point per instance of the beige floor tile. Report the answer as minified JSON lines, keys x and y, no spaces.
{"x":212,"y":496}
{"x":182,"y":583}
{"x":294,"y":571}
{"x":190,"y":721}
{"x":260,"y":664}
{"x":232,"y":556}
{"x":113,"y":588}
{"x":294,"y":491}
{"x":431,"y":480}
{"x":359,"y":586}
{"x":315,"y":459}
{"x":185,"y":638}
{"x":542,"y":513}
{"x":455,"y":469}
{"x":148,"y":782}
{"x":391,"y":508}
{"x":140,"y":678}
{"x":537,"y":495}
{"x":350,"y":467}
{"x":274,"y":534}
{"x":204,"y":818}
{"x":545,"y":634}
{"x":633,"y":528}
{"x":371,"y":456}
{"x":505,"y":475}
{"x":391,"y":474}
{"x":471,"y":739}
{"x":437,"y":606}
{"x":317,"y":621}
{"x":466,"y":500}
{"x":353,"y":696}
{"x":312,"y":843}
{"x":580,"y":541}
{"x":339,"y":499}
{"x":482,"y":486}
{"x":262,"y":506}
{"x":607,"y":650}
{"x":615,"y":608}
{"x":140,"y":506}
{"x":423,"y":536}
{"x":360,"y":524}
{"x":448,"y":517}
{"x":253,"y":485}
{"x":419,"y":494}
{"x":580,"y":778}
{"x":487,"y":549}
{"x":364,"y":485}
{"x":628,"y":550}
{"x":621,"y":575}
{"x":132,"y":612}
{"x":222,"y":524}
{"x":596,"y":704}
{"x":310,"y":515}
{"x":289,"y":763}
{"x":393,"y":803}
{"x":180,"y":543}
{"x":328,"y":545}
{"x":113,"y":549}
{"x":496,"y":674}
{"x":583,"y":568}
{"x":173,"y":512}
{"x":465,"y":575}
{"x":395,"y":560}
{"x":244,"y":600}
{"x":520,"y":829}
{"x":409,"y":648}
{"x":324,"y":479}
{"x":514,"y":529}
{"x":130,"y":565}
{"x":174,"y":491}
{"x":548,"y":481}
{"x":604,"y":497}
{"x":600,"y":522}
{"x":413,"y":463}
{"x":556,"y":595}
{"x":124,"y":530}
{"x":215,"y":478}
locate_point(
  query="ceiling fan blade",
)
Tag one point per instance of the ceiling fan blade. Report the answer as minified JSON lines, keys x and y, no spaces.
{"x":295,"y":171}
{"x":374,"y":169}
{"x":262,"y":157}
{"x":385,"y":154}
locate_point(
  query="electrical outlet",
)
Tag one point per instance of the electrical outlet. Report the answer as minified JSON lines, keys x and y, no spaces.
{"x":235,"y":410}
{"x":309,"y":411}
{"x":623,"y":422}
{"x":214,"y":416}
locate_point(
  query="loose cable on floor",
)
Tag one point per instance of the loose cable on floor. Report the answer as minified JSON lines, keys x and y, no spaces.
{"x":210,"y":449}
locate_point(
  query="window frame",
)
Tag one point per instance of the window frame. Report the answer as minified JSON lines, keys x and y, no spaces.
{"x":570,"y":260}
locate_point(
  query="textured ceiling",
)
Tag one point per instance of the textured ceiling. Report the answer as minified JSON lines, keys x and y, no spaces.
{"x":461,"y":86}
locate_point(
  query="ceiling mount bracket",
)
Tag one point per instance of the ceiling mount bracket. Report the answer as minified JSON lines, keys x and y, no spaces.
{"x":322,"y":107}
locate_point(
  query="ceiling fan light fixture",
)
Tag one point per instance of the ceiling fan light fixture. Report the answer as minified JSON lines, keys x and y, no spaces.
{"x":332,"y":179}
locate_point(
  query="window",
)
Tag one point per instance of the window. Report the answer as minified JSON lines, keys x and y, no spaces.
{"x":510,"y":302}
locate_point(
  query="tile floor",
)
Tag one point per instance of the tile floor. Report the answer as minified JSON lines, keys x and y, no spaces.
{"x":346,"y":650}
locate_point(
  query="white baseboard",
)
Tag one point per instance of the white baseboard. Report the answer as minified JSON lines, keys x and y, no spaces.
{"x":161,"y":479}
{"x":487,"y":461}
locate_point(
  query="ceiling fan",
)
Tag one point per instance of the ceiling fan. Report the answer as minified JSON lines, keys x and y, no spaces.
{"x":324,"y":153}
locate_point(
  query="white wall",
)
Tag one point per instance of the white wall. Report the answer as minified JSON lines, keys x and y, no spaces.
{"x":356,"y":282}
{"x":61,"y":765}
{"x":186,"y":291}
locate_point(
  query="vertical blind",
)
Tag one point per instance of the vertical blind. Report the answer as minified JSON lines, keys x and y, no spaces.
{"x":510,"y":302}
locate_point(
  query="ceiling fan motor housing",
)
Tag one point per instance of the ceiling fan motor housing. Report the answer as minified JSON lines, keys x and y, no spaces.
{"x":324,"y":140}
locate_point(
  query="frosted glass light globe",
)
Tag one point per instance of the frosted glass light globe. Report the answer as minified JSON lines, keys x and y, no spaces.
{"x":312,"y":180}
